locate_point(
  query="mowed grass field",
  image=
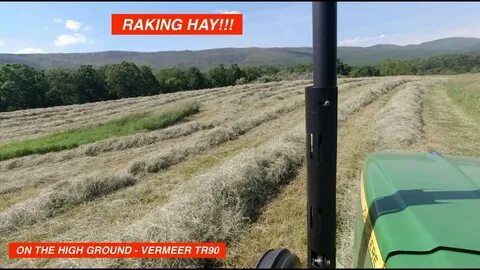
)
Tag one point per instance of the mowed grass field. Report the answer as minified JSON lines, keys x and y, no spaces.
{"x":223,"y":164}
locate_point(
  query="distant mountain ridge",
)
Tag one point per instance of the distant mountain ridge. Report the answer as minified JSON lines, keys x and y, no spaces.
{"x":246,"y":56}
{"x":374,"y":54}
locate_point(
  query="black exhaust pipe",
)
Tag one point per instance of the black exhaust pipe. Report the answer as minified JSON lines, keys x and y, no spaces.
{"x":321,"y":127}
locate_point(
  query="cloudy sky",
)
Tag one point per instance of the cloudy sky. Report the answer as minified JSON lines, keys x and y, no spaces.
{"x":85,"y":26}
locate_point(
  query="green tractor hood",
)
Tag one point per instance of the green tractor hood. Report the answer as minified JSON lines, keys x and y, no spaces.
{"x":424,"y":210}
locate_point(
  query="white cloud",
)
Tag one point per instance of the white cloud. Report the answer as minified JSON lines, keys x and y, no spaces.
{"x":72,"y":25}
{"x":29,"y":50}
{"x":64,"y":40}
{"x":364,"y":41}
{"x":228,"y":11}
{"x":415,"y":37}
{"x":2,"y":43}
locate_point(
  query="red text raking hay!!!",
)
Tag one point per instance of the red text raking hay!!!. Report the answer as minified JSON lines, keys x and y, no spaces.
{"x":177,"y":24}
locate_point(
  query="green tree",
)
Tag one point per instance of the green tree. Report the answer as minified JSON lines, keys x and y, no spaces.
{"x":389,"y":67}
{"x":172,"y":80}
{"x":195,"y":79}
{"x":365,"y":71}
{"x":252,"y":73}
{"x":91,"y":85}
{"x":270,"y":70}
{"x":342,"y":68}
{"x":301,"y":68}
{"x":233,"y":73}
{"x":217,"y":76}
{"x":21,"y":87}
{"x":150,"y":83}
{"x":125,"y":80}
{"x":62,"y":87}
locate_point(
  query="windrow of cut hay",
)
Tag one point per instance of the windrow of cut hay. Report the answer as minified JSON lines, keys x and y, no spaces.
{"x":35,"y":121}
{"x":60,"y":197}
{"x":215,"y":206}
{"x":192,"y":189}
{"x":367,"y":96}
{"x":109,"y":105}
{"x":92,"y":109}
{"x":399,"y":124}
{"x":143,"y":139}
{"x":103,"y":111}
{"x":42,"y":207}
{"x":30,"y":123}
{"x":346,"y":89}
{"x":203,"y":141}
{"x":119,"y":105}
{"x":215,"y":137}
{"x":195,"y":213}
{"x":16,"y":180}
{"x":402,"y":110}
{"x":151,"y":138}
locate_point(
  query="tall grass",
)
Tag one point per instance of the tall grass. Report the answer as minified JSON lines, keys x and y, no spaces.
{"x":75,"y":137}
{"x":465,"y":92}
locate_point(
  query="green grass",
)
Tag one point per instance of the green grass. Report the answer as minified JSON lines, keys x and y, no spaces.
{"x":73,"y":138}
{"x":465,"y":92}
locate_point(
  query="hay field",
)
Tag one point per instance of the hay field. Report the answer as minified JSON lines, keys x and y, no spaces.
{"x":233,"y":172}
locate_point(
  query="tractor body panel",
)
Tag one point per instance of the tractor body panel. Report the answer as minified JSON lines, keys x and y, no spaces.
{"x":418,"y":209}
{"x":439,"y":259}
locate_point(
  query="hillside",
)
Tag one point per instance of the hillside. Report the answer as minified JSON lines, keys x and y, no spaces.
{"x":201,"y":59}
{"x":374,"y":54}
{"x":245,"y":56}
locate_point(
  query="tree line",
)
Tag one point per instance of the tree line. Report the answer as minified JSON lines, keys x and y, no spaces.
{"x":441,"y":64}
{"x":23,"y":87}
{"x":433,"y":65}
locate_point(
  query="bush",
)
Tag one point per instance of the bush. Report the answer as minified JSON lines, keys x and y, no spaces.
{"x":365,"y":71}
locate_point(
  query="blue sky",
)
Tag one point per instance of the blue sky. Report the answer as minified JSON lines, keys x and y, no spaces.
{"x":85,"y":26}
